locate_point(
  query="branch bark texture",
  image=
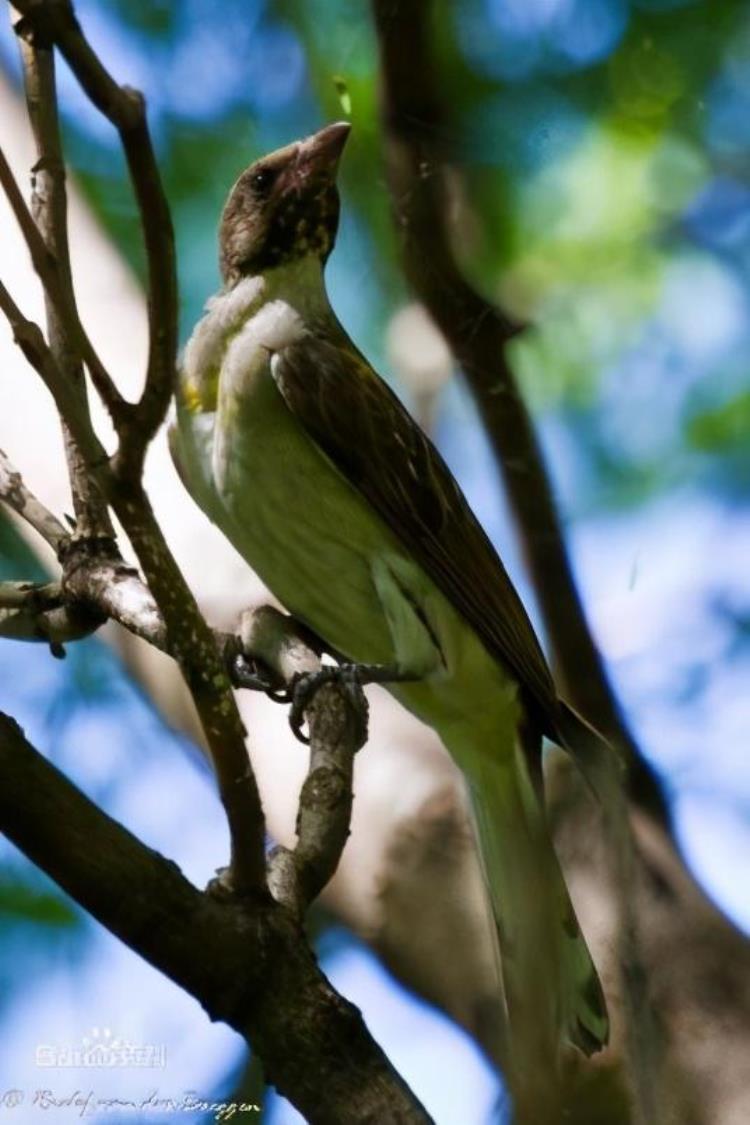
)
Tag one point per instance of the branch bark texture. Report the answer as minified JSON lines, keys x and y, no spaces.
{"x":325,"y":806}
{"x":246,"y":961}
{"x":49,"y":208}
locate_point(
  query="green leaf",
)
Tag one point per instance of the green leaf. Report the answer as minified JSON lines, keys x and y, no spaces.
{"x":722,"y":428}
{"x":343,"y":92}
{"x":23,"y":902}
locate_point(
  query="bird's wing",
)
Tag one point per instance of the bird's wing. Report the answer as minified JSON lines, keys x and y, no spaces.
{"x":361,"y":426}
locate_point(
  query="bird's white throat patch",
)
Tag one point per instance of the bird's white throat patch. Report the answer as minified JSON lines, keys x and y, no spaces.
{"x":275,"y":325}
{"x":268,"y":312}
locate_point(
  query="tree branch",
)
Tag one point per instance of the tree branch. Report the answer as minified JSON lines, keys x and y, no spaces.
{"x":37,"y":595}
{"x":325,"y":806}
{"x":190,"y":640}
{"x":188,"y":637}
{"x":46,"y":267}
{"x":55,"y":20}
{"x":30,"y":340}
{"x":49,"y":209}
{"x":33,"y":612}
{"x":17,"y":496}
{"x":247,"y":965}
{"x":97,"y":584}
{"x":97,"y":588}
{"x":478,"y":333}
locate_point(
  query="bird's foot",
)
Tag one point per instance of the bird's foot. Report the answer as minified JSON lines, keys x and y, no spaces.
{"x":351,"y":678}
{"x":305,"y":685}
{"x":246,"y":673}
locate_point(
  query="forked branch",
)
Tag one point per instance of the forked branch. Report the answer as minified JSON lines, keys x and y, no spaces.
{"x":55,"y":22}
{"x":188,"y":638}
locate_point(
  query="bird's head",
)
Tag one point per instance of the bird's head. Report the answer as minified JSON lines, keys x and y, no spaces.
{"x":283,"y":207}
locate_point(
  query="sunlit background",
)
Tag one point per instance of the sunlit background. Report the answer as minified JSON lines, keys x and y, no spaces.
{"x":604,"y":197}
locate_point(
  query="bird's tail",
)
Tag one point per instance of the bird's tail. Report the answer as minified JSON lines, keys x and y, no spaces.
{"x":553,"y":994}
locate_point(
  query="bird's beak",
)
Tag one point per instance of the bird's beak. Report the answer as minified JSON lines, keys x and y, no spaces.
{"x":318,"y":155}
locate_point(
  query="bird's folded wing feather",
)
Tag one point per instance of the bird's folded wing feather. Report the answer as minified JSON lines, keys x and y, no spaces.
{"x":363,"y":429}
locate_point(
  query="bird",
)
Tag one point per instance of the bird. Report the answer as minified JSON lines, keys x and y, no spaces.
{"x":315,"y":471}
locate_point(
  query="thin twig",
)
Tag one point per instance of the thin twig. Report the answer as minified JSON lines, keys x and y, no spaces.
{"x":47,"y":270}
{"x":190,"y":640}
{"x":49,"y":209}
{"x":30,"y":340}
{"x":33,"y":612}
{"x":40,"y":595}
{"x":17,"y":496}
{"x":125,"y":109}
{"x":93,"y":577}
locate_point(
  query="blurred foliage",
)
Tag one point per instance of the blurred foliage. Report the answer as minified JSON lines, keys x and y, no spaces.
{"x":36,"y":915}
{"x":726,"y":425}
{"x":722,"y":433}
{"x":22,"y":902}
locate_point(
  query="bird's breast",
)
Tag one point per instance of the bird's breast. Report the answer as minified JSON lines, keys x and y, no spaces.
{"x":304,"y":529}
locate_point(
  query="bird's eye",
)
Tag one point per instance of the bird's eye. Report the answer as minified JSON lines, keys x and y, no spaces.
{"x":262,"y":180}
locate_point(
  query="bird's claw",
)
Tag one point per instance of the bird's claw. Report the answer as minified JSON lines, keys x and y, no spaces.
{"x":302,"y":689}
{"x":247,"y":674}
{"x":306,"y":684}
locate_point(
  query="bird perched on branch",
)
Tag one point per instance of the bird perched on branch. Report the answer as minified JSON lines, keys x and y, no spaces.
{"x":318,"y":475}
